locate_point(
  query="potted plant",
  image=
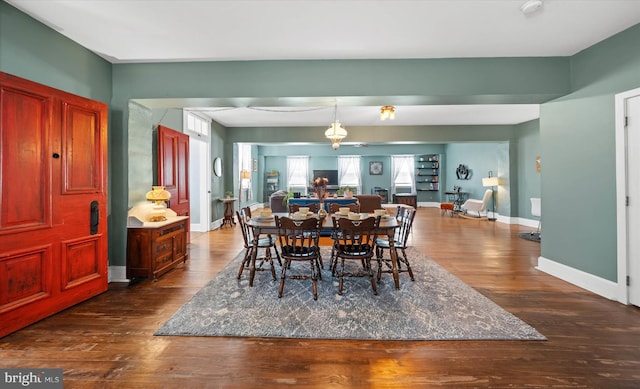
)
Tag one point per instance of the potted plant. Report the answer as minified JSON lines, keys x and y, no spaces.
{"x":347,"y":191}
{"x":285,"y":199}
{"x":228,"y":194}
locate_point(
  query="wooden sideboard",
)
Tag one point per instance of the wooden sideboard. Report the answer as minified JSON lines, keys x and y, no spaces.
{"x":406,"y":199}
{"x":156,"y":248}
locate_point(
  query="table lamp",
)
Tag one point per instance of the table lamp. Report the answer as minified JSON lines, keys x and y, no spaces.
{"x":159,"y":196}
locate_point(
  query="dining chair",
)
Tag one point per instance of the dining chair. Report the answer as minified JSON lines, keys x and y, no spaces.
{"x":298,"y":240}
{"x":265,"y":243}
{"x":353,"y":207}
{"x":354,"y":240}
{"x":313,"y":207}
{"x":405,"y":216}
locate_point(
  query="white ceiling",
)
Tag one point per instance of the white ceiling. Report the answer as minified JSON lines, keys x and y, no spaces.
{"x":223,"y":30}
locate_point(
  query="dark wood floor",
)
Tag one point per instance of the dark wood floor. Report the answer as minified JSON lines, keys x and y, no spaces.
{"x":108,"y":341}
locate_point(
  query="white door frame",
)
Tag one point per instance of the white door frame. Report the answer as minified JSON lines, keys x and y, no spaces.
{"x":203,"y":182}
{"x":203,"y":142}
{"x":621,"y":193}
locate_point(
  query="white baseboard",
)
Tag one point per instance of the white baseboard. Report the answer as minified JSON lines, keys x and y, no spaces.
{"x":529,"y":222}
{"x":428,"y":204}
{"x":600,"y":286}
{"x":216,"y":224}
{"x":117,"y":274}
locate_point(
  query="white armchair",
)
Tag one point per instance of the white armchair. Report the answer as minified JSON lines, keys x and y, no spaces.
{"x":477,"y":206}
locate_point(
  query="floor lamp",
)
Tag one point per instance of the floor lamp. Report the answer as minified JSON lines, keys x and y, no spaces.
{"x":492,"y":182}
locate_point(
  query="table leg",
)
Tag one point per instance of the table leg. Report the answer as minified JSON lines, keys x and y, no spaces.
{"x":228,"y":215}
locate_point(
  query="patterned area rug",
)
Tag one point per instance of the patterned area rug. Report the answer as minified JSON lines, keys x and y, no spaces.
{"x":436,"y":306}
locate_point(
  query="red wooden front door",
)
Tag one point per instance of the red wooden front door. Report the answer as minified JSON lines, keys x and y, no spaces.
{"x":53,"y":227}
{"x":173,"y":169}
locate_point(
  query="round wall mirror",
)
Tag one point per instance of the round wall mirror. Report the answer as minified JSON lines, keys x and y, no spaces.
{"x":217,"y":167}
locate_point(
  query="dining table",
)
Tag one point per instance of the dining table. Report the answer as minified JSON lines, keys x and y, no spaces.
{"x":388,"y":224}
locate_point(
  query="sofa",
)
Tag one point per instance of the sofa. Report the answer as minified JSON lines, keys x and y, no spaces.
{"x":276,"y":201}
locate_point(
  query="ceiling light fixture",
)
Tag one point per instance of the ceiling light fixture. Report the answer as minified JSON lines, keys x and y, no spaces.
{"x":531,"y":6}
{"x":335,"y":132}
{"x":387,"y":112}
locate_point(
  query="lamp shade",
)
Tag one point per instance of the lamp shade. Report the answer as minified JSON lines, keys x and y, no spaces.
{"x":490,"y":181}
{"x":336,"y":132}
{"x":158,"y":194}
{"x":245,"y":174}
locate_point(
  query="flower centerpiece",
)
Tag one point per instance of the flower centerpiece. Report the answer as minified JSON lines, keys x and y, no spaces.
{"x":320,"y":186}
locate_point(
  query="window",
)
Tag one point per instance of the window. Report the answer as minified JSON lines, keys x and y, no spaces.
{"x":197,"y":125}
{"x":298,"y":174}
{"x":402,"y":178}
{"x":349,"y":172}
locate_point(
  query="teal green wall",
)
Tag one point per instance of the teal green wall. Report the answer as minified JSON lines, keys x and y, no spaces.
{"x":480,"y":158}
{"x":31,"y":50}
{"x":528,"y":182}
{"x":578,"y":164}
{"x":217,"y":135}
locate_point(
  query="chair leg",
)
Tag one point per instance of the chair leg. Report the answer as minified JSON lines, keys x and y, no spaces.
{"x":275,"y":248}
{"x":283,"y":276}
{"x":270,"y":260}
{"x":372,"y":278}
{"x":252,"y":267}
{"x":334,"y":261}
{"x":341,"y":276}
{"x":245,"y":261}
{"x":406,"y":261}
{"x":314,"y":278}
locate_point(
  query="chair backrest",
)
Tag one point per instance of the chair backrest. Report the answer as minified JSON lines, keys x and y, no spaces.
{"x":405,"y":221}
{"x":355,"y":237}
{"x":536,"y":208}
{"x":298,"y":238}
{"x":368,"y":203}
{"x":353,"y":207}
{"x":485,"y":199}
{"x":247,"y":230}
{"x":313,"y":207}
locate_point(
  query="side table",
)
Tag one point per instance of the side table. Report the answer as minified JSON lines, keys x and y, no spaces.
{"x":228,"y":211}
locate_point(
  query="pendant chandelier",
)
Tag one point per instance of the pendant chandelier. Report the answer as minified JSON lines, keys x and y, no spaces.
{"x":335,"y":133}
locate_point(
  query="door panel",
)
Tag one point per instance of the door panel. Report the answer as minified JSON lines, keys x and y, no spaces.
{"x":24,"y":129}
{"x":173,"y":167}
{"x":26,"y":276}
{"x":52,"y":192}
{"x":81,"y":149}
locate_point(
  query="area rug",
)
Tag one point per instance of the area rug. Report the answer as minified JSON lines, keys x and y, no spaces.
{"x":532,"y":236}
{"x":436,"y":306}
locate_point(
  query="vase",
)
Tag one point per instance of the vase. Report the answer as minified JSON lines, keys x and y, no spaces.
{"x":321,"y":210}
